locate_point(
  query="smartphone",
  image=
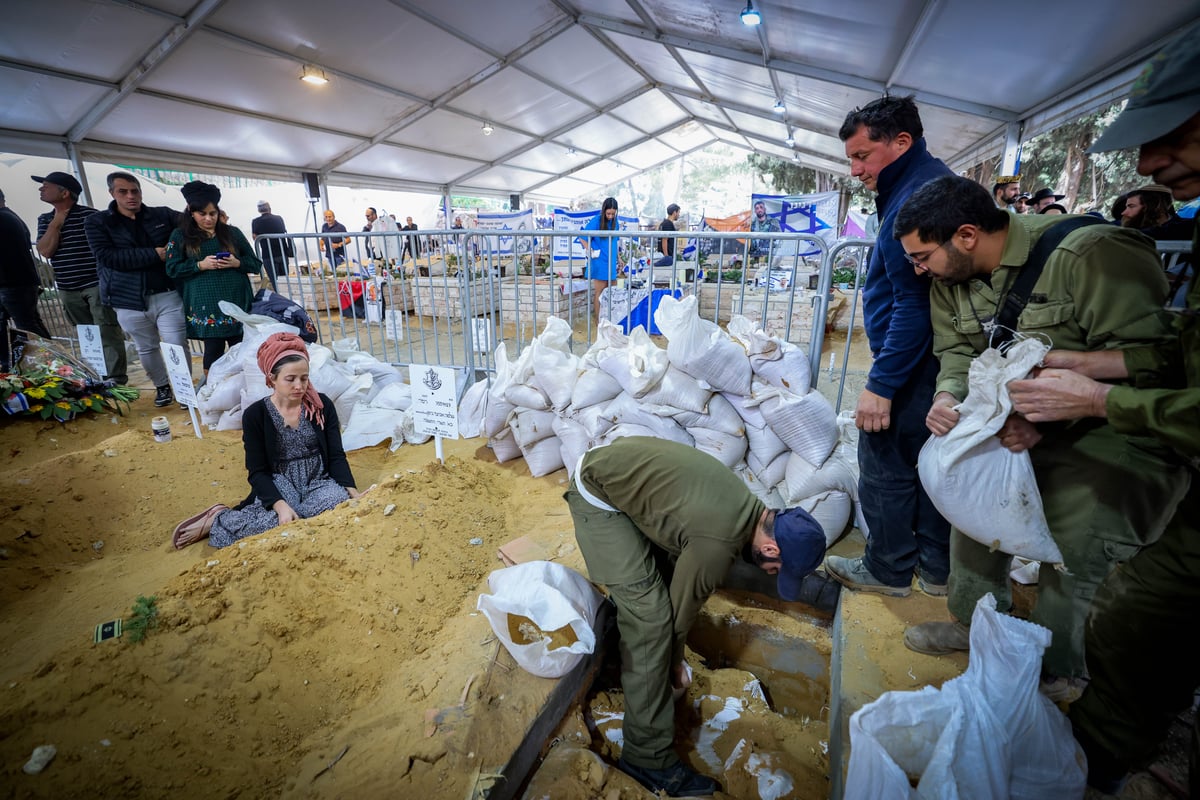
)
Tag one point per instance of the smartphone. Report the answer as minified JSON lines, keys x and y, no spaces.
{"x":221,"y":255}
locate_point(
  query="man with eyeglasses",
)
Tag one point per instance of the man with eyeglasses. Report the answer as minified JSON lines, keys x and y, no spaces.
{"x":1105,"y":494}
{"x":886,"y":146}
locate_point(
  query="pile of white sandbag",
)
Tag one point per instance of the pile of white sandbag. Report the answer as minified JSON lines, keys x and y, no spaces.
{"x":371,"y":397}
{"x":742,"y":396}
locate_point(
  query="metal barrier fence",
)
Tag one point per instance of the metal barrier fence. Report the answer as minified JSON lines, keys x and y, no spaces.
{"x":453,"y":303}
{"x":453,"y":295}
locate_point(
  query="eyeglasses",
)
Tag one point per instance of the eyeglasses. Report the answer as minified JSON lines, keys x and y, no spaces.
{"x":919,"y":260}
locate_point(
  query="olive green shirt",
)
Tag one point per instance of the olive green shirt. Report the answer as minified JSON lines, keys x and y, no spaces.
{"x":683,"y":500}
{"x":1171,"y":415}
{"x":1102,"y":288}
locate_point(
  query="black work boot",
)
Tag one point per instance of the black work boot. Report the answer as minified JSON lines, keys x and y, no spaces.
{"x":678,"y":780}
{"x":163,"y":396}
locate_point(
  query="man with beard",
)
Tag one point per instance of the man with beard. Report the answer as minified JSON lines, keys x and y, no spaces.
{"x":762,"y":223}
{"x":1105,"y":494}
{"x":1005,"y":192}
{"x":1150,"y":605}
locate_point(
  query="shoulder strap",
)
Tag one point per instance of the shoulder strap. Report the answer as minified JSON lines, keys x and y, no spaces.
{"x":1022,"y":287}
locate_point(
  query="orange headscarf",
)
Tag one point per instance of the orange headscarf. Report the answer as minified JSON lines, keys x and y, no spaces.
{"x":278,"y":346}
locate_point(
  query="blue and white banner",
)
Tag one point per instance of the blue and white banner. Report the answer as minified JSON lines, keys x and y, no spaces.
{"x":508,"y":243}
{"x":812,"y":214}
{"x":566,"y":247}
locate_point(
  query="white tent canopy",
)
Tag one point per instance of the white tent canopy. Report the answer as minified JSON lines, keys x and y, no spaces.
{"x":577,"y":96}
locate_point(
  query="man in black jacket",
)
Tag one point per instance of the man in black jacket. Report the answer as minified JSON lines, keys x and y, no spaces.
{"x":19,"y":285}
{"x":129,"y":241}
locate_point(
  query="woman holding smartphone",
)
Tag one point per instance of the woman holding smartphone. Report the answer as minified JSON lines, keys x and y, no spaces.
{"x":210,"y":262}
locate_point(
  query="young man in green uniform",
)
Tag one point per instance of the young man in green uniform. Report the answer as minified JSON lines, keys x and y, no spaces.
{"x":1148,"y":608}
{"x":660,"y":524}
{"x":1105,"y":494}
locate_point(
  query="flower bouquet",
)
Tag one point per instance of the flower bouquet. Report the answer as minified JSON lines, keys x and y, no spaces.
{"x":49,"y":384}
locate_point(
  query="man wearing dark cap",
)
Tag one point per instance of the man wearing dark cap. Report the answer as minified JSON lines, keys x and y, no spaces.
{"x":1147,"y":610}
{"x":666,"y":245}
{"x":1005,"y":191}
{"x":275,"y":252}
{"x":19,"y":284}
{"x":129,"y":241}
{"x":660,"y":524}
{"x":62,"y":240}
{"x":1042,"y":198}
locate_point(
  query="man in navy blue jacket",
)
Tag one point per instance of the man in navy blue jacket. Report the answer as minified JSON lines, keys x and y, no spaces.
{"x":886,"y":147}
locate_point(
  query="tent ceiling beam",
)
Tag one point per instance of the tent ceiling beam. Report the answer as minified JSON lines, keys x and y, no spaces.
{"x":176,"y":36}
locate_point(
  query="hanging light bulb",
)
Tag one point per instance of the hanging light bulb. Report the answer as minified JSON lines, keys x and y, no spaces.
{"x":779,"y":107}
{"x":790,"y":141}
{"x":487,"y":129}
{"x":750,"y":15}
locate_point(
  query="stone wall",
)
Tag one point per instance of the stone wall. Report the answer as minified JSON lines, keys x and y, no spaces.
{"x":522,"y":298}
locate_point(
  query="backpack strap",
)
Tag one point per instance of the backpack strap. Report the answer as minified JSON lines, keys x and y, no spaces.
{"x":1018,"y":295}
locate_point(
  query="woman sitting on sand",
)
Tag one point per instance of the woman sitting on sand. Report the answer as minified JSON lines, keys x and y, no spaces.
{"x":297,"y":467}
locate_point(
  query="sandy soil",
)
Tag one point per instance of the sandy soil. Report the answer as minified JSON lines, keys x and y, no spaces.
{"x":351,"y":637}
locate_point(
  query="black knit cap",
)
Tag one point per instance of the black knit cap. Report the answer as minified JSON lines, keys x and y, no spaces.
{"x":198,"y":194}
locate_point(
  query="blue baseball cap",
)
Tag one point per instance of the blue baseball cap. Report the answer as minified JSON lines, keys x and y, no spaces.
{"x":801,"y":543}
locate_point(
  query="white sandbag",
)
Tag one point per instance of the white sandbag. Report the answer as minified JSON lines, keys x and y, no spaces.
{"x":230,"y":420}
{"x":523,"y":395}
{"x":549,"y":598}
{"x":624,"y":429}
{"x":495,"y":417}
{"x":982,"y":488}
{"x":639,"y":366}
{"x":593,"y":386}
{"x":745,"y":406}
{"x":807,"y":424}
{"x":574,"y":441}
{"x":356,"y":393}
{"x":227,"y":366}
{"x":988,"y":733}
{"x":770,"y":474}
{"x":624,"y":409}
{"x":784,"y":365}
{"x":764,"y":444}
{"x":678,"y":390}
{"x":408,"y":428}
{"x":343,"y":349}
{"x":831,"y":509}
{"x":700,"y":348}
{"x":218,"y":397}
{"x":368,"y":426}
{"x":471,"y":410}
{"x":504,"y":446}
{"x":802,"y":479}
{"x":529,"y":426}
{"x":327,"y":375}
{"x":768,"y":495}
{"x":543,"y":456}
{"x":608,"y":337}
{"x":503,"y":375}
{"x":384,"y":374}
{"x":728,"y":448}
{"x":396,"y":396}
{"x":556,"y":335}
{"x":594,"y":419}
{"x":554,"y":372}
{"x":718,"y":414}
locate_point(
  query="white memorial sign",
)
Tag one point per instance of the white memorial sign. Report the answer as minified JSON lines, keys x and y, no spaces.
{"x":434,"y":400}
{"x":179,"y":373}
{"x":91,"y":348}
